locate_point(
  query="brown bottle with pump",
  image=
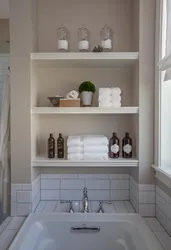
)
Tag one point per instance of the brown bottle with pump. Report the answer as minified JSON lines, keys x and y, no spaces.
{"x":51,"y":147}
{"x":114,"y":146}
{"x":127,"y":146}
{"x":60,"y":146}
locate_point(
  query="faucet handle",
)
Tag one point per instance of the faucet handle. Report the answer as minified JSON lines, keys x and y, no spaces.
{"x":70,"y":210}
{"x":100,"y":209}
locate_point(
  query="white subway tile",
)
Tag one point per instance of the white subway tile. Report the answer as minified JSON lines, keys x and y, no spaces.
{"x":129,"y":207}
{"x":50,"y":184}
{"x":98,"y":195}
{"x":161,"y":216}
{"x":72,"y":195}
{"x":164,"y":239}
{"x":168,"y":226}
{"x":69,"y":176}
{"x":27,"y":187}
{"x":120,"y":207}
{"x":168,"y":210}
{"x":35,"y":202}
{"x":145,"y":187}
{"x":97,"y":184}
{"x":119,"y":176}
{"x":120,"y":184}
{"x":16,"y":223}
{"x":6,"y":238}
{"x":61,"y":207}
{"x":147,"y":210}
{"x":14,"y":189}
{"x":147,"y":197}
{"x":21,"y":209}
{"x":5,"y":223}
{"x":86,"y":176}
{"x":109,"y":208}
{"x":101,"y":176}
{"x":51,"y":176}
{"x":163,"y":195}
{"x":134,"y":203}
{"x":119,"y":195}
{"x":50,"y":206}
{"x":40,"y":206}
{"x":134,"y":191}
{"x":160,"y":202}
{"x":154,"y":224}
{"x":77,"y":184}
{"x":24,"y":196}
{"x":50,"y":195}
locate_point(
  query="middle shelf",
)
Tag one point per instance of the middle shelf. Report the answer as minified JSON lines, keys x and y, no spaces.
{"x":40,"y":161}
{"x":80,"y":110}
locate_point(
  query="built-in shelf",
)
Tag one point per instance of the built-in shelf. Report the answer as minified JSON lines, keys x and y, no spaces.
{"x":80,"y":110}
{"x":85,"y":60}
{"x":120,"y":162}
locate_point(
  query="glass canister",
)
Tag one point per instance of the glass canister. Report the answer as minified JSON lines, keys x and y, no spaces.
{"x":62,"y":35}
{"x":106,"y":38}
{"x":83,"y":39}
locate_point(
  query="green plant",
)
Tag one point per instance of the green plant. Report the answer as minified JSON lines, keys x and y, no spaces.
{"x":98,"y":49}
{"x":87,"y":86}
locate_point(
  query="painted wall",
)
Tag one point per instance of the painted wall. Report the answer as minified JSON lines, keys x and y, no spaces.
{"x":4,"y":36}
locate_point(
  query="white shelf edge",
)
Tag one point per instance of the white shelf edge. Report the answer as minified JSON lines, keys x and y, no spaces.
{"x":45,"y":162}
{"x":79,"y":110}
{"x":86,"y":56}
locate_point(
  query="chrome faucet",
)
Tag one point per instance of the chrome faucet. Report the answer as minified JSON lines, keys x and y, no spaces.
{"x":85,"y":201}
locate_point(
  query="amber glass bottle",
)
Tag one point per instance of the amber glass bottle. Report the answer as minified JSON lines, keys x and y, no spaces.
{"x":60,"y":146}
{"x":51,"y":147}
{"x":114,"y":146}
{"x":127,"y":146}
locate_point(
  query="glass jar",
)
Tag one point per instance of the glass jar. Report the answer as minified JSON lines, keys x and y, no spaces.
{"x":83,"y":39}
{"x":62,"y":35}
{"x":106,"y":38}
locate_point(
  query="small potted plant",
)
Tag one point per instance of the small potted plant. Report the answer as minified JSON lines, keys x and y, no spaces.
{"x":86,"y":90}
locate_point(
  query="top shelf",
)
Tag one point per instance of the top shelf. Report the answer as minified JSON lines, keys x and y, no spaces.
{"x":85,"y":60}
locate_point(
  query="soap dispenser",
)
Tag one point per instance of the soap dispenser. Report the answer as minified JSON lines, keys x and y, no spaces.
{"x":114,"y":146}
{"x":127,"y":146}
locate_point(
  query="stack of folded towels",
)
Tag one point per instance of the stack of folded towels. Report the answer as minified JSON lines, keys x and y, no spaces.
{"x":87,"y":147}
{"x":110,"y":97}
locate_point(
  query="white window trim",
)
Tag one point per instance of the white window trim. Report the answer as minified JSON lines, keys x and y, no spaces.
{"x":160,"y":172}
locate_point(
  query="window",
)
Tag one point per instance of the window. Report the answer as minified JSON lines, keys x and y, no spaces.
{"x":163,"y":86}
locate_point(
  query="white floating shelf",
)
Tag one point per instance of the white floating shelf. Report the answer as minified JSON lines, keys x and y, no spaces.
{"x":85,"y":60}
{"x":79,"y":110}
{"x":120,"y":162}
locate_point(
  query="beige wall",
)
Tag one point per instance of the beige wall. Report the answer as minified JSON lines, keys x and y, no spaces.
{"x":4,"y":36}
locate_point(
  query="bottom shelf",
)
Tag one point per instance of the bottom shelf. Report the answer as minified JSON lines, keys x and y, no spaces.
{"x":120,"y":162}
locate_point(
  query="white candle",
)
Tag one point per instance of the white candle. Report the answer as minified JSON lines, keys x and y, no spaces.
{"x":83,"y":45}
{"x":106,"y":44}
{"x":63,"y":45}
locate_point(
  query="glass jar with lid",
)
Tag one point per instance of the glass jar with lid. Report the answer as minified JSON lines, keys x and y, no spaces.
{"x":62,"y":35}
{"x":83,"y":39}
{"x":106,"y":38}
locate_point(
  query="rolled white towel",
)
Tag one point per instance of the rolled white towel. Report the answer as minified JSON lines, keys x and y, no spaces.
{"x":75,"y":149}
{"x":75,"y":157}
{"x":95,"y":156}
{"x":116,"y":90}
{"x":72,"y":95}
{"x":116,"y":104}
{"x":105,"y":104}
{"x":116,"y":98}
{"x":96,"y":149}
{"x":74,"y":141}
{"x":105,"y":91}
{"x":95,"y":140}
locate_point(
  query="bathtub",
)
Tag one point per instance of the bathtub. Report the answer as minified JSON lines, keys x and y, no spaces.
{"x":44,"y":231}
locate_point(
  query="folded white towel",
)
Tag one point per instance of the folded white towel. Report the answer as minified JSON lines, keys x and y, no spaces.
{"x":95,"y":140}
{"x":105,"y":91}
{"x":116,"y":90}
{"x":91,"y":156}
{"x":96,"y":149}
{"x":74,"y":141}
{"x":75,"y":157}
{"x":105,"y":98}
{"x":75,"y":149}
{"x":105,"y":104}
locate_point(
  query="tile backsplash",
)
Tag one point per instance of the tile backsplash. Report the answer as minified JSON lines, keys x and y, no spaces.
{"x":70,"y":187}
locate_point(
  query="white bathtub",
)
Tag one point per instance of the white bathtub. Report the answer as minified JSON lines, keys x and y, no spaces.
{"x":84,"y":232}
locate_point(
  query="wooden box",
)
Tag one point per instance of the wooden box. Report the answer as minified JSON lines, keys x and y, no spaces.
{"x":69,"y":102}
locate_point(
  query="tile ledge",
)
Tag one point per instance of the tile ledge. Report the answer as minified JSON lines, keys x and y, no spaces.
{"x":162,"y":174}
